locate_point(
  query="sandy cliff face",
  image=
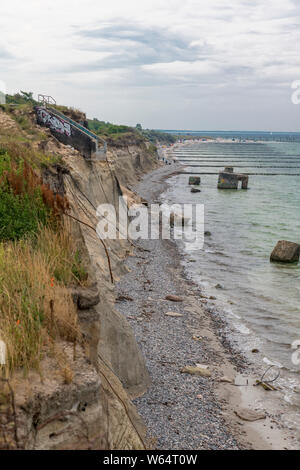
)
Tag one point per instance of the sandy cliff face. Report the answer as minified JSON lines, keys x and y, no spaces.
{"x":94,"y":409}
{"x":87,"y":185}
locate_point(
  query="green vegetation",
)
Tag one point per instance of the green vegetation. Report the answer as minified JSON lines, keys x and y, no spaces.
{"x":39,"y":261}
{"x":20,"y":215}
{"x":117,"y":132}
{"x":106,"y":128}
{"x":20,"y":151}
{"x":156,"y":136}
{"x":21,"y":98}
{"x":22,"y":208}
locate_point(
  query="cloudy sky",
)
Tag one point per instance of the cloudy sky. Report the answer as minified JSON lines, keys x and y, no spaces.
{"x":176,"y":64}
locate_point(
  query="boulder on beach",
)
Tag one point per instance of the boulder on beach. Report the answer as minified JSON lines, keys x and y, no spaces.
{"x":250,"y":415}
{"x":286,"y":252}
{"x":194,"y":180}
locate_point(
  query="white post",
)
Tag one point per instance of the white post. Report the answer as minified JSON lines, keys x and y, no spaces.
{"x":2,"y":353}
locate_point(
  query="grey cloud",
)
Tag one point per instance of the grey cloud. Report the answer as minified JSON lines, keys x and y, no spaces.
{"x":134,"y":45}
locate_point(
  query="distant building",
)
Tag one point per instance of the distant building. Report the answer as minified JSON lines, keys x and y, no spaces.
{"x":2,"y":98}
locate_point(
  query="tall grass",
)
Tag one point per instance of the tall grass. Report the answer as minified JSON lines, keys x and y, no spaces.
{"x":36,"y":306}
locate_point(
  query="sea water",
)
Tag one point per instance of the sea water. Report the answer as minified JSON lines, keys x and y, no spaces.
{"x":260,"y":299}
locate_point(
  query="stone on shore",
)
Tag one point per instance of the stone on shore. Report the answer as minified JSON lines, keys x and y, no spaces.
{"x":194,"y":370}
{"x":250,"y":415}
{"x":226,"y":380}
{"x":286,"y":252}
{"x":174,"y":298}
{"x":86,"y":297}
{"x":174,"y":314}
{"x":194,"y":180}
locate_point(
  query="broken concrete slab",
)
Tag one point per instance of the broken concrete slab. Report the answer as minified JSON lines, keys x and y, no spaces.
{"x":194,"y":180}
{"x":230,"y":180}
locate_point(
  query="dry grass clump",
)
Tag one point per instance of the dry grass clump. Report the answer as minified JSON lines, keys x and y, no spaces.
{"x":22,"y":150}
{"x":36,"y":307}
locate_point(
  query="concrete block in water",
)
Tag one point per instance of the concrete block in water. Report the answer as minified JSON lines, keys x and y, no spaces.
{"x":228,"y":169}
{"x":194,"y":180}
{"x":286,"y":252}
{"x":230,"y":180}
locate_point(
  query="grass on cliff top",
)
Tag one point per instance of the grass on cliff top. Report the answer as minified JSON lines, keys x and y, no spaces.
{"x":24,"y":117}
{"x":21,"y":141}
{"x":36,"y":306}
{"x":20,"y":150}
{"x":38,"y":261}
{"x":107,"y":128}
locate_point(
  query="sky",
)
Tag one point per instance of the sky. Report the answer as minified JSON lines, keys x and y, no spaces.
{"x":192,"y":64}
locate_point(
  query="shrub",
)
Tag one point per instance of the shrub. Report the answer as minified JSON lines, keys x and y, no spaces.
{"x":25,"y":202}
{"x":107,"y":128}
{"x":20,"y":215}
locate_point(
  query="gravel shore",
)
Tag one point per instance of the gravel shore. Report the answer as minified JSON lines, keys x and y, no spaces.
{"x":183,"y":411}
{"x":180,"y":410}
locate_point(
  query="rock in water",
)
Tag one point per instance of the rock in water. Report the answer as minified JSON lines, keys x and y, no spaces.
{"x":195,"y":190}
{"x":219,"y":286}
{"x":286,"y":252}
{"x":194,"y":180}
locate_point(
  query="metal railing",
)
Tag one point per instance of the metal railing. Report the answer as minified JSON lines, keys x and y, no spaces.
{"x":46,"y":100}
{"x":82,"y":129}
